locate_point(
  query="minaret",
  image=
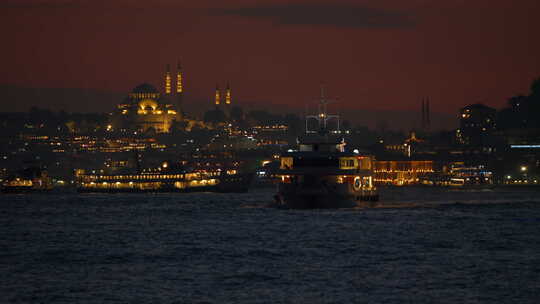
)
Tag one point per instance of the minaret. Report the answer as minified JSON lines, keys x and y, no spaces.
{"x":168,"y":80}
{"x":217,"y":96}
{"x":228,"y":94}
{"x":179,"y":89}
{"x":179,"y":84}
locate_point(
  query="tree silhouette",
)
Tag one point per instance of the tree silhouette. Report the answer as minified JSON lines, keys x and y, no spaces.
{"x":237,"y":114}
{"x":535,"y":90}
{"x":523,"y":111}
{"x":214,"y":116}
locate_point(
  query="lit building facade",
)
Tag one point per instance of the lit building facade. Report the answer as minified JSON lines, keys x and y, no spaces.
{"x":401,"y":172}
{"x":271,"y":135}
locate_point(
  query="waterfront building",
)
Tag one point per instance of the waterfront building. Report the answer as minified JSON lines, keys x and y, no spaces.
{"x":476,"y":124}
{"x":407,"y":147}
{"x":271,"y":134}
{"x":401,"y":172}
{"x":232,"y":143}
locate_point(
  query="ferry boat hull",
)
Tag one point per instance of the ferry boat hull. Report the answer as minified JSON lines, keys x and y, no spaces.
{"x":322,"y":197}
{"x":307,"y":201}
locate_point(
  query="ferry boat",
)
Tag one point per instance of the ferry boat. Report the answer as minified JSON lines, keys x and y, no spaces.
{"x":165,"y":179}
{"x":321,"y":174}
{"x":461,"y":177}
{"x":32,"y":179}
{"x":470,"y":176}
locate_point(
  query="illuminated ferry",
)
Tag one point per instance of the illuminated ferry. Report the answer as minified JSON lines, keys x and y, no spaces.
{"x":32,"y":179}
{"x":165,"y":179}
{"x":460,"y":176}
{"x":472,"y":176}
{"x":321,"y":174}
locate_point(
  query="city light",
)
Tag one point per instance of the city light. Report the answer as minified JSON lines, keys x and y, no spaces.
{"x":525,"y":146}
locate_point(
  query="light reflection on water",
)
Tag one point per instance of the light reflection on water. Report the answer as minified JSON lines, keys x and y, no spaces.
{"x":418,"y":245}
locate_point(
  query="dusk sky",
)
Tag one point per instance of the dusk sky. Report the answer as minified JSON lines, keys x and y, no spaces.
{"x":381,"y":55}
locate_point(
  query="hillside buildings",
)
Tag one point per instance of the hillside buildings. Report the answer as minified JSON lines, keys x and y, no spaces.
{"x":476,"y":123}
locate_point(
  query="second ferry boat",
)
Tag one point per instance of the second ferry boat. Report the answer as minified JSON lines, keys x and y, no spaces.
{"x":321,"y":174}
{"x":167,"y":178}
{"x":29,"y":180}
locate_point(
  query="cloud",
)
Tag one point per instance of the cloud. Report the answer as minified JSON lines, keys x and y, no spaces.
{"x":324,"y":14}
{"x":39,"y":4}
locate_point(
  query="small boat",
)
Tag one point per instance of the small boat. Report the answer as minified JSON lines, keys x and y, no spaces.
{"x":32,"y":179}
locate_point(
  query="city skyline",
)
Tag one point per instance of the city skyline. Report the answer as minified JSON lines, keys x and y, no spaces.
{"x":381,"y":55}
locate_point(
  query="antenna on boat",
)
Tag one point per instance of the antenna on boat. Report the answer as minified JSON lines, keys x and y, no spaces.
{"x":322,"y":117}
{"x":338,"y":115}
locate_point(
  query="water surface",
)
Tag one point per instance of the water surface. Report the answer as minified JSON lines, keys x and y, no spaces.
{"x":417,"y":246}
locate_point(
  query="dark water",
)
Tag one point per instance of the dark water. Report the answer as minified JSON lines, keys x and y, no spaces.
{"x":419,"y":246}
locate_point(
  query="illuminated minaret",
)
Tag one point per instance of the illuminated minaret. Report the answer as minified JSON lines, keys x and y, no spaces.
{"x":217,"y":96}
{"x":425,"y":122}
{"x":179,"y":89}
{"x":228,"y":94}
{"x":179,"y":85}
{"x":168,"y":80}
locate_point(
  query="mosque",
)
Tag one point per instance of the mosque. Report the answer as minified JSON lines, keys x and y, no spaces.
{"x":145,"y":109}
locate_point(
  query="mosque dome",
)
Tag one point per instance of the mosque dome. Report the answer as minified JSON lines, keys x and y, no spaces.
{"x":143,"y":92}
{"x":145,"y":88}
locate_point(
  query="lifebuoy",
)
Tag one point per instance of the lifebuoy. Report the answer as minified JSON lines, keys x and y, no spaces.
{"x":357,"y":183}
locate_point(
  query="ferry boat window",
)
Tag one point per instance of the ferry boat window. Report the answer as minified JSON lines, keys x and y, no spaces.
{"x":364,"y":163}
{"x":347,"y":164}
{"x":286,"y":162}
